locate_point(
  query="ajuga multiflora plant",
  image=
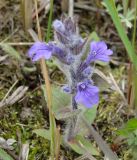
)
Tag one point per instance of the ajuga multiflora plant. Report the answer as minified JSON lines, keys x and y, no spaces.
{"x":69,"y":50}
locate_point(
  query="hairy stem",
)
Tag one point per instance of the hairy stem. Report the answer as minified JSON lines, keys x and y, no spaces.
{"x":70,"y":134}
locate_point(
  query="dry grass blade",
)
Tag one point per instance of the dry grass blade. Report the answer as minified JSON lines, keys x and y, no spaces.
{"x":33,"y":35}
{"x":101,"y":80}
{"x":64,"y":5}
{"x":17,"y":95}
{"x":44,"y":4}
{"x":86,"y":156}
{"x":26,"y":10}
{"x":117,"y":88}
{"x":24,"y":152}
{"x":102,"y":75}
{"x":9,"y":90}
{"x":89,"y":8}
{"x":2,"y":58}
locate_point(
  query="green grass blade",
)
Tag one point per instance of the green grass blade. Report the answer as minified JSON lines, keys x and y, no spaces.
{"x":49,"y":21}
{"x":114,"y":15}
{"x":134,"y":27}
{"x":133,"y":44}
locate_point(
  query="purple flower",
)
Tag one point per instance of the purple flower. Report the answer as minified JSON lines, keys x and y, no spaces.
{"x":40,"y":50}
{"x":87,"y":94}
{"x":59,"y":26}
{"x":98,"y":52}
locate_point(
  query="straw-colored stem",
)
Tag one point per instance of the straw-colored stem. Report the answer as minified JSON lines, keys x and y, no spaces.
{"x":58,"y":141}
{"x":43,"y":64}
{"x":48,"y":91}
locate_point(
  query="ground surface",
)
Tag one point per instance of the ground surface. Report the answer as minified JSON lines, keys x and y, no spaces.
{"x":18,"y":120}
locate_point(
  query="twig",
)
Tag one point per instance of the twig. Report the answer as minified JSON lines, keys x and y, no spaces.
{"x":18,"y":43}
{"x":90,"y":8}
{"x":119,"y":44}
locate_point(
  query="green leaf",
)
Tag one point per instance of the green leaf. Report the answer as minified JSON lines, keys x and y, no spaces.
{"x":4,"y":155}
{"x":67,"y":113}
{"x":127,"y":18}
{"x":132,"y":123}
{"x":130,"y":127}
{"x":11,"y":51}
{"x":115,"y":17}
{"x":43,"y":133}
{"x":90,"y":114}
{"x":82,"y":145}
{"x":60,"y":100}
{"x":94,"y":37}
{"x":119,"y":8}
